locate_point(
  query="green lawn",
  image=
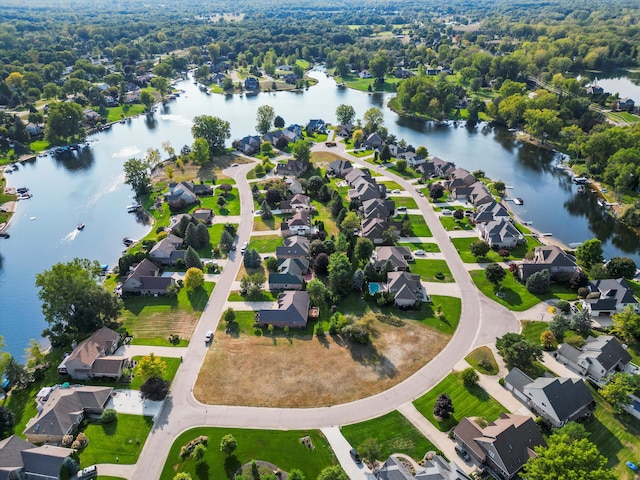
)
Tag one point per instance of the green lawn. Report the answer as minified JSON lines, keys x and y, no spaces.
{"x":39,"y":145}
{"x":282,"y":448}
{"x":394,"y":433}
{"x":391,"y":185}
{"x":463,"y":245}
{"x":449,"y":223}
{"x":122,"y":439}
{"x":116,"y":113}
{"x":533,"y":329}
{"x":428,"y":269}
{"x":408,"y":202}
{"x":265,"y":296}
{"x":617,"y":437}
{"x":274,"y":223}
{"x":159,"y":342}
{"x":468,"y":402}
{"x":407,"y":173}
{"x":516,"y":296}
{"x":427,"y":247}
{"x":232,"y":207}
{"x":419,"y":226}
{"x":482,"y":359}
{"x":363,"y":84}
{"x":169,"y":374}
{"x":265,"y":243}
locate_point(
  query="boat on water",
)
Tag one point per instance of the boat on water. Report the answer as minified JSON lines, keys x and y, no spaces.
{"x":128,"y":241}
{"x":133,"y":208}
{"x":24,"y":196}
{"x":575,"y":244}
{"x":527,"y":223}
{"x":8,"y":170}
{"x":22,"y":190}
{"x":581,"y":180}
{"x":518,"y":201}
{"x":4,"y":235}
{"x":581,"y":189}
{"x":80,"y":226}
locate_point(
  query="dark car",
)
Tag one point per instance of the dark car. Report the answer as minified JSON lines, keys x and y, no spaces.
{"x":355,"y":456}
{"x":233,"y":248}
{"x":462,"y":452}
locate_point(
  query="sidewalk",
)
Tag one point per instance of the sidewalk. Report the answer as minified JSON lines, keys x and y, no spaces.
{"x":341,"y":449}
{"x":115,"y":470}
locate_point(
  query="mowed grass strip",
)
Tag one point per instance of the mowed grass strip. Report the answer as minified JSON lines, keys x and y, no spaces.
{"x":265,"y":243}
{"x":282,"y":448}
{"x":482,"y":359}
{"x":516,"y":296}
{"x":120,"y":441}
{"x":394,"y":433}
{"x":262,"y":225}
{"x":468,"y":402}
{"x":427,"y":247}
{"x":428,"y":269}
{"x":408,"y":202}
{"x":169,"y":373}
{"x":419,"y":226}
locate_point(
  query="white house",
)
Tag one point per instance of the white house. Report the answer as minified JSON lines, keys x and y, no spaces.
{"x":598,"y":358}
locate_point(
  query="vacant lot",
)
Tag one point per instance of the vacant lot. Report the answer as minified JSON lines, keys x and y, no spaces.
{"x":305,"y":372}
{"x":432,"y":270}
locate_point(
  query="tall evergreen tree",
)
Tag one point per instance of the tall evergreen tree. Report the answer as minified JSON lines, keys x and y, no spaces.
{"x":192,"y":259}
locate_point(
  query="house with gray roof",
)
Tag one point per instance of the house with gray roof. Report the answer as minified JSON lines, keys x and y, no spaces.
{"x":598,"y":358}
{"x":145,"y":279}
{"x":182,"y":194}
{"x":441,"y":167}
{"x":490,"y":211}
{"x":292,"y":167}
{"x":366,"y":189}
{"x":299,"y":224}
{"x":355,"y":174}
{"x":290,"y":274}
{"x":292,"y":311}
{"x":406,"y":288}
{"x":378,"y":208}
{"x":64,"y":410}
{"x":20,"y":459}
{"x":552,"y":258}
{"x":500,"y":234}
{"x":93,"y":357}
{"x":373,"y":141}
{"x":556,"y":400}
{"x":460,"y":178}
{"x":204,"y":215}
{"x":248,"y":145}
{"x":398,"y":257}
{"x":296,"y":246}
{"x":296,"y":203}
{"x":374,"y":228}
{"x":167,"y":250}
{"x":316,"y":125}
{"x":339,"y":168}
{"x":608,"y":297}
{"x":436,"y":468}
{"x":503,"y":446}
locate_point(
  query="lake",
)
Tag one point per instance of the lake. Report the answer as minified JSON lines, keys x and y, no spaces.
{"x":87,"y":188}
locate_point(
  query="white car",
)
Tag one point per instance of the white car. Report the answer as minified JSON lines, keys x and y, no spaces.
{"x":208,"y":336}
{"x":234,"y":164}
{"x":419,"y":252}
{"x":396,"y":192}
{"x":446,"y":211}
{"x":244,"y":247}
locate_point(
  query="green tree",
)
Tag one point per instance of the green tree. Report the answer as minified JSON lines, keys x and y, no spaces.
{"x":7,"y":422}
{"x":265,"y":211}
{"x":278,"y":122}
{"x":443,"y":407}
{"x":351,"y":223}
{"x":558,"y":325}
{"x":345,"y":114}
{"x":541,"y":122}
{"x":226,"y":240}
{"x":517,"y":351}
{"x":137,"y":174}
{"x":358,"y":280}
{"x":200,"y":151}
{"x":621,"y":267}
{"x":194,"y":279}
{"x":379,"y":65}
{"x":229,"y":315}
{"x":63,"y":121}
{"x":264,"y":118}
{"x":228,"y":445}
{"x":73,"y":302}
{"x":332,"y":473}
{"x":539,"y":282}
{"x":340,"y":277}
{"x":373,"y":119}
{"x":618,"y":389}
{"x":363,"y":249}
{"x":548,"y":340}
{"x":199,"y":452}
{"x":422,"y":151}
{"x":627,"y":324}
{"x":212,"y":129}
{"x":295,"y":474}
{"x":36,"y":357}
{"x":370,"y":450}
{"x":401,"y":165}
{"x":192,"y":259}
{"x":161,"y":84}
{"x":565,"y":458}
{"x":590,"y":253}
{"x":479,"y":248}
{"x":302,"y":151}
{"x":581,"y":321}
{"x":495,"y":273}
{"x":151,"y":366}
{"x":147,"y":99}
{"x":182,"y":476}
{"x":317,"y":292}
{"x":390,"y":236}
{"x":470,"y":377}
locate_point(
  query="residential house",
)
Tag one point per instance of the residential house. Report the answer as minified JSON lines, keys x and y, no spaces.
{"x":594,"y":88}
{"x":316,"y":125}
{"x":296,"y":203}
{"x":489,"y":212}
{"x":91,"y":116}
{"x":552,"y":258}
{"x":374,"y":228}
{"x":248,"y":145}
{"x":186,"y":193}
{"x":167,"y":251}
{"x":460,"y":178}
{"x":291,"y":78}
{"x":500,"y":234}
{"x":299,"y":224}
{"x":145,"y":279}
{"x":598,"y":358}
{"x":356,"y":174}
{"x":218,"y":78}
{"x":204,"y":215}
{"x":251,"y":83}
{"x":64,"y":410}
{"x":406,"y":288}
{"x":365,"y":74}
{"x":398,"y":258}
{"x":292,"y":311}
{"x":612,"y":296}
{"x":339,"y":168}
{"x":94,"y":357}
{"x":378,"y":208}
{"x":442,"y":168}
{"x":556,"y":400}
{"x":366,"y":189}
{"x":294,"y":186}
{"x":479,"y":194}
{"x":402,"y":73}
{"x":625,"y":104}
{"x":290,"y":274}
{"x":373,"y":141}
{"x":413,"y":159}
{"x":436,"y":468}
{"x":292,"y":134}
{"x":397,"y":151}
{"x":20,"y":459}
{"x":293,"y":168}
{"x":345,"y":130}
{"x":35,"y":129}
{"x":503,"y":446}
{"x":296,"y":246}
{"x":426,"y":169}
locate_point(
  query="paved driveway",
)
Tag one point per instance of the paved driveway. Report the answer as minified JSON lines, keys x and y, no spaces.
{"x":131,"y":402}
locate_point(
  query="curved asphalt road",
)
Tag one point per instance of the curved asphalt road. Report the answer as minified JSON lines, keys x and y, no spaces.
{"x":481,"y":321}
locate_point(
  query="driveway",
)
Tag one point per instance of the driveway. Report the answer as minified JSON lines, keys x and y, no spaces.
{"x":131,"y":402}
{"x":341,"y":449}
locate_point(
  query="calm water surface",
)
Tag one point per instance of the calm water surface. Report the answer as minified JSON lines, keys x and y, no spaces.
{"x":88,"y":188}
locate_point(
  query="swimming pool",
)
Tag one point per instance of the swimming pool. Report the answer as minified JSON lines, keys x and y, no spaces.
{"x":374,"y":288}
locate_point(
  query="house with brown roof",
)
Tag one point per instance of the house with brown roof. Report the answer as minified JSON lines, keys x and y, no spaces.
{"x":93,"y":357}
{"x":204,"y":215}
{"x":374,"y":228}
{"x":339,"y":168}
{"x":552,"y":258}
{"x":64,"y":410}
{"x":299,"y":224}
{"x":292,"y":311}
{"x":292,"y":167}
{"x":398,"y":257}
{"x":167,"y":250}
{"x":20,"y":460}
{"x":503,"y":446}
{"x":460,"y":178}
{"x":145,"y":279}
{"x":442,"y":168}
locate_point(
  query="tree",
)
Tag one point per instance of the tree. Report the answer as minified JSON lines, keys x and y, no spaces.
{"x":332,"y":473}
{"x":422,"y":151}
{"x":226,"y":240}
{"x":627,"y":324}
{"x":370,"y":449}
{"x":36,"y":357}
{"x":579,"y":280}
{"x":252,"y":259}
{"x":390,"y":236}
{"x":351,"y":223}
{"x":499,"y":186}
{"x":363,"y":249}
{"x":581,"y":321}
{"x":194,"y":279}
{"x":479,"y":248}
{"x":271,"y":263}
{"x":63,"y":121}
{"x":567,"y":458}
{"x":147,"y":99}
{"x":470,"y":377}
{"x":358,"y":280}
{"x":229,"y":315}
{"x":539,"y":282}
{"x":443,"y":407}
{"x":182,"y":476}
{"x":621,"y":267}
{"x":137,"y":174}
{"x":373,"y":119}
{"x":264,"y":116}
{"x":155,"y":389}
{"x":228,"y":445}
{"x":590,"y":253}
{"x":161,"y":84}
{"x":618,"y":389}
{"x":212,"y":129}
{"x":198,"y":452}
{"x":278,"y":122}
{"x":436,"y":191}
{"x":314,"y":184}
{"x":340,"y":278}
{"x":302,"y":151}
{"x":321,"y":264}
{"x":558,"y":325}
{"x":7,"y":422}
{"x":200,"y":151}
{"x":345,"y":114}
{"x":495,"y":273}
{"x":202,"y":235}
{"x":151,"y":366}
{"x":517,"y":351}
{"x":73,"y":303}
{"x":548,"y":340}
{"x":192,"y":259}
{"x":265,"y":211}
{"x":317,"y":292}
{"x":379,"y":65}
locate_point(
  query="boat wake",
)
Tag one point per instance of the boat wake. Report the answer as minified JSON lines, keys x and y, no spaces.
{"x":179,"y":119}
{"x":71,"y":235}
{"x":127,"y":152}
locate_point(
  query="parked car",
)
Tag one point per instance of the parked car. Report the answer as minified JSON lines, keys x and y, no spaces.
{"x":208,"y":336}
{"x":402,"y":209}
{"x":396,"y":192}
{"x":234,"y":164}
{"x":89,"y":472}
{"x":468,"y":213}
{"x":462,"y":452}
{"x":632,"y":466}
{"x":355,"y":456}
{"x":419,"y":252}
{"x":244,"y":247}
{"x":446,"y":211}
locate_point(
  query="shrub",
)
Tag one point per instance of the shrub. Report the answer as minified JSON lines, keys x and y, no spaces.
{"x":67,"y":441}
{"x":563,"y":306}
{"x":469,"y":377}
{"x":539,"y":282}
{"x":108,"y":416}
{"x":186,"y":450}
{"x":155,"y":389}
{"x":503,"y":252}
{"x":583,"y":292}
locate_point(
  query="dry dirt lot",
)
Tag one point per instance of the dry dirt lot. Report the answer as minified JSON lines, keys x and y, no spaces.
{"x":308,"y":372}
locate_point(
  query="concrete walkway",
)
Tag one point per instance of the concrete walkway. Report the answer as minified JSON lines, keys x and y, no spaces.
{"x":264,"y":233}
{"x":143,"y":350}
{"x":341,"y":449}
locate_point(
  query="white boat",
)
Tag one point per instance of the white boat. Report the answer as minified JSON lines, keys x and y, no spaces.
{"x":575,"y":244}
{"x":8,"y":170}
{"x":133,"y":208}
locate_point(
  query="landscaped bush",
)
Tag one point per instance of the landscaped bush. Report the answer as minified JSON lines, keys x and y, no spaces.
{"x":563,"y":306}
{"x":67,"y":441}
{"x":439,"y":275}
{"x":186,"y":450}
{"x":108,"y":416}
